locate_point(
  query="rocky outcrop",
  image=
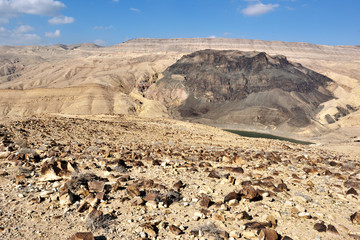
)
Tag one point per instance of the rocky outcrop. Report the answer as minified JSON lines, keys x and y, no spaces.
{"x":241,"y":87}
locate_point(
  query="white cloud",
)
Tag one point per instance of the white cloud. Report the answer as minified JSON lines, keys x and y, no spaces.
{"x":135,"y":10}
{"x":212,"y":36}
{"x":61,"y":20}
{"x":115,"y":0}
{"x":53,"y":34}
{"x":100,"y":42}
{"x":13,"y":8}
{"x":18,"y":36}
{"x":259,"y":9}
{"x":24,"y":29}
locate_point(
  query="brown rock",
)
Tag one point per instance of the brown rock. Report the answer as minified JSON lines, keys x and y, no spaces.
{"x":248,"y":192}
{"x":331,"y":228}
{"x":96,"y":186}
{"x":244,"y":216}
{"x":214,"y":174}
{"x":257,"y":225}
{"x":20,"y":179}
{"x":204,"y":201}
{"x":281,"y":188}
{"x":237,"y":170}
{"x":355,"y":218}
{"x":149,"y":229}
{"x":268,"y":234}
{"x":175,"y":230}
{"x":66,"y":197}
{"x":219,"y":217}
{"x":84,"y":205}
{"x":320,"y":227}
{"x":151,"y":196}
{"x":272,"y":220}
{"x":3,"y":173}
{"x":178,"y":185}
{"x":351,"y":191}
{"x":133,"y":191}
{"x":82,"y":236}
{"x":137,"y":201}
{"x":230,"y":196}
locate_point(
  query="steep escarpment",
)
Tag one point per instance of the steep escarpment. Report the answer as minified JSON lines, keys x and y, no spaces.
{"x":242,"y":87}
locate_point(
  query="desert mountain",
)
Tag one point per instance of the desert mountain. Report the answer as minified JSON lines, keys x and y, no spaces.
{"x":241,"y":88}
{"x":87,"y":79}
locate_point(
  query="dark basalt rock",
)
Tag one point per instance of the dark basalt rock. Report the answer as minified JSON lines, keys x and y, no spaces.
{"x":257,"y":87}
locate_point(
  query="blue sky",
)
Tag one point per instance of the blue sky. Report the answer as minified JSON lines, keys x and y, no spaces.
{"x":109,"y":22}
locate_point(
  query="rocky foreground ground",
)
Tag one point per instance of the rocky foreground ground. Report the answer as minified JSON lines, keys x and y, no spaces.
{"x":128,"y":178}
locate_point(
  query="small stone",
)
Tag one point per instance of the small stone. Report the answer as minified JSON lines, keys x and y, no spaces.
{"x":3,"y":173}
{"x":248,"y":192}
{"x":331,"y":228}
{"x":20,"y":179}
{"x":244,"y":216}
{"x":199,"y":214}
{"x":219,"y":217}
{"x":151,"y":196}
{"x":230,"y":196}
{"x":214,"y":174}
{"x":96,"y":186}
{"x":133,"y":191}
{"x":175,"y":230}
{"x":304,"y":215}
{"x":204,"y":201}
{"x":272,"y":219}
{"x":82,"y":236}
{"x":320,"y":227}
{"x":233,"y":202}
{"x":351,"y":191}
{"x":4,"y":155}
{"x":143,"y":234}
{"x":355,"y":218}
{"x":150,"y":230}
{"x":137,"y":201}
{"x":178,"y":185}
{"x":268,"y":234}
{"x":66,"y":198}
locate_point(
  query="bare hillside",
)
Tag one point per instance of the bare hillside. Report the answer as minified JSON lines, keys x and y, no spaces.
{"x":87,"y":79}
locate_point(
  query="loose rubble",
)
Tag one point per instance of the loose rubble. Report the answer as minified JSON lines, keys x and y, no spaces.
{"x":118,"y":177}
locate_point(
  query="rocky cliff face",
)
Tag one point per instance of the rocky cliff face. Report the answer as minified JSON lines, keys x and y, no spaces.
{"x":244,"y":87}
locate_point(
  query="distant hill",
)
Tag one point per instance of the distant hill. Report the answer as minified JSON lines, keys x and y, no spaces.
{"x":237,"y":87}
